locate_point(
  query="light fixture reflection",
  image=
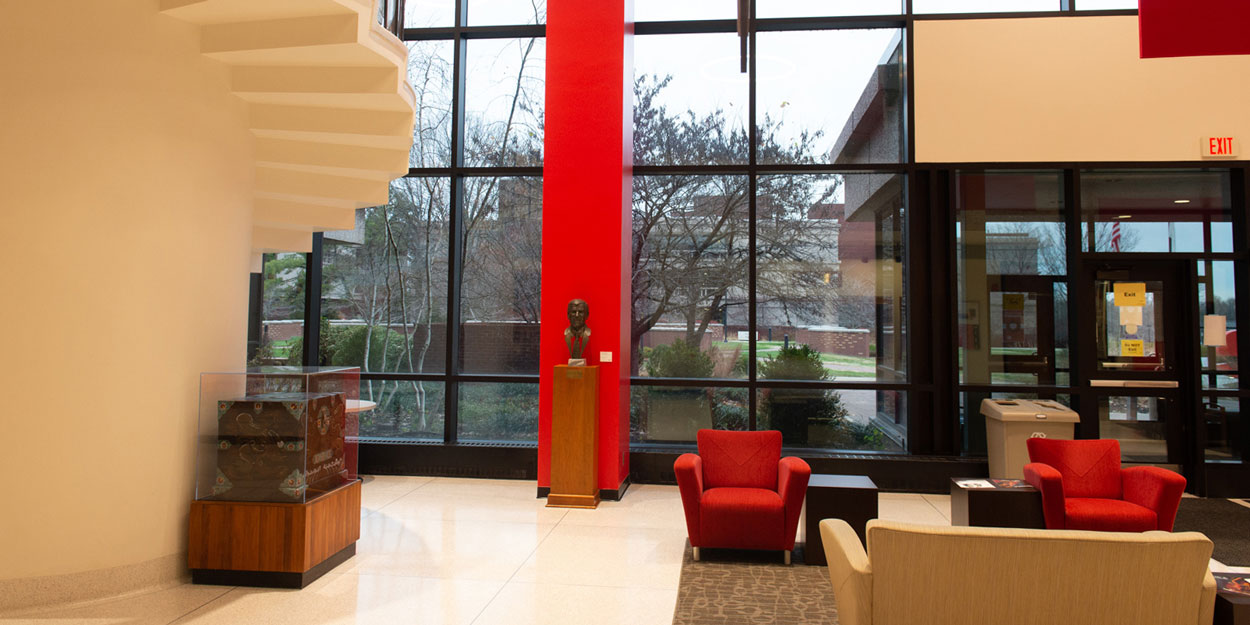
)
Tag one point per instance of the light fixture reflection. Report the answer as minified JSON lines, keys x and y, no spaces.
{"x":1180,"y":201}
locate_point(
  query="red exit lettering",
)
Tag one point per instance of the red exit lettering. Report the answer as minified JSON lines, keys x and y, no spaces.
{"x":1220,"y":146}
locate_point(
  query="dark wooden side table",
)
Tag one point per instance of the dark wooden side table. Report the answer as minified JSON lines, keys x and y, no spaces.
{"x":852,"y":498}
{"x":1018,"y":506}
{"x":1231,"y":608}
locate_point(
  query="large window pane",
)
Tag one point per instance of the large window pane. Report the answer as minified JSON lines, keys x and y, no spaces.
{"x":675,"y":413}
{"x":690,"y":100}
{"x":384,"y":286}
{"x":282,"y":312}
{"x":1012,"y":263}
{"x":821,"y":8}
{"x":406,"y":410}
{"x":832,"y":419}
{"x":830,"y":282}
{"x":429,"y":71}
{"x":1156,"y":211}
{"x":983,"y":6}
{"x":504,"y":102}
{"x":1224,"y":429}
{"x":815,"y":110}
{"x":1139,"y":423}
{"x":502,"y":279}
{"x":689,"y":304}
{"x":498,"y":412}
{"x":1217,"y":296}
{"x":491,"y":12}
{"x":429,"y":13}
{"x":1095,"y":5}
{"x":660,"y":10}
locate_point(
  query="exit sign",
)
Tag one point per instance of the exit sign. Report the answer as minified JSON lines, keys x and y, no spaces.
{"x":1219,"y":147}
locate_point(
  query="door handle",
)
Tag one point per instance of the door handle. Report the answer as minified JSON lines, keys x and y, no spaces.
{"x":1135,"y":383}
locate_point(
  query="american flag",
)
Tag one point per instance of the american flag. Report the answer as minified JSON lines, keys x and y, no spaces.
{"x":1115,"y":236}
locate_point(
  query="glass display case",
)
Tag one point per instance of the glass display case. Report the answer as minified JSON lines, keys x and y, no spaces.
{"x":276,"y":434}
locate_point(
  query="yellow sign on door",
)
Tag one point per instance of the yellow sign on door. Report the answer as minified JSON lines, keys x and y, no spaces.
{"x":1013,"y":301}
{"x":1132,"y":347}
{"x":1130,"y":293}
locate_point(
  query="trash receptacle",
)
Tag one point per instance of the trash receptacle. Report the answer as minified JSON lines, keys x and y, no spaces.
{"x":1011,"y":422}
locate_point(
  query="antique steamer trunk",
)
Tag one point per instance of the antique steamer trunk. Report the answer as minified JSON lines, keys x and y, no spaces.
{"x":279,"y":446}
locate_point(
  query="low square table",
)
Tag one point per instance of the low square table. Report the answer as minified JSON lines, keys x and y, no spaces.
{"x":996,"y":506}
{"x":1231,"y":608}
{"x":852,"y":498}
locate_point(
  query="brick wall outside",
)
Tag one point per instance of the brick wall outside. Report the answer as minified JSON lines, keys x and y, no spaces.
{"x":846,"y":342}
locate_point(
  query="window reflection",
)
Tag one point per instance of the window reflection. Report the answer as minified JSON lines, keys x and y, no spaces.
{"x":504,"y":102}
{"x":429,"y":72}
{"x":384,"y":291}
{"x":1156,"y":211}
{"x":688,"y":317}
{"x":819,"y":8}
{"x":491,"y":12}
{"x":502,"y":275}
{"x":407,"y":410}
{"x":282,"y":311}
{"x":1217,"y":296}
{"x":1012,"y":265}
{"x":811,"y":110}
{"x":675,"y":413}
{"x":429,"y":13}
{"x":829,"y":263}
{"x":498,"y":412}
{"x":690,"y":100}
{"x":1096,"y":5}
{"x":663,"y":10}
{"x":1223,"y":429}
{"x":983,"y":6}
{"x":856,"y":420}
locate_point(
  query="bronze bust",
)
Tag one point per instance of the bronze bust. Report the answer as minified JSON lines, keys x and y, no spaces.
{"x":577,"y":334}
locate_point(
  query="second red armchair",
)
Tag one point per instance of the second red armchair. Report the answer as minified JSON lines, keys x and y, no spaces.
{"x":739,"y":493}
{"x":1084,"y":488}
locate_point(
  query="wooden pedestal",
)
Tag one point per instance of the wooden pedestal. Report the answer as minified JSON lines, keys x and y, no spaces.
{"x":575,"y":438}
{"x":282,"y":545}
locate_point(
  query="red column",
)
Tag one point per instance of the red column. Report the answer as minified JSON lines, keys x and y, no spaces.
{"x":587,"y":189}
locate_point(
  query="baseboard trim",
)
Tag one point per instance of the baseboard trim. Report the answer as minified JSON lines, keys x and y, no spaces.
{"x":38,"y":592}
{"x":615,"y":494}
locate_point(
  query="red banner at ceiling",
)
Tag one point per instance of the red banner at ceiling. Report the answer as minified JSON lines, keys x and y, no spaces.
{"x":1193,"y":27}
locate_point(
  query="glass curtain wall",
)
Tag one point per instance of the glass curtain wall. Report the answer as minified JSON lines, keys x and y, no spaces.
{"x":435,"y":295}
{"x":770,"y":212}
{"x":1021,"y":239}
{"x":769,"y":226}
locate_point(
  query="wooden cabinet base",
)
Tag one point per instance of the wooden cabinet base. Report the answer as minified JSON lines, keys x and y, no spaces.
{"x":282,"y":545}
{"x":271,"y":579}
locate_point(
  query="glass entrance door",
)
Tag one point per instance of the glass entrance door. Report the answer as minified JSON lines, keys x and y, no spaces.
{"x":1137,"y":359}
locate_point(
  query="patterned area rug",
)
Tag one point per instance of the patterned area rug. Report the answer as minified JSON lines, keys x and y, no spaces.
{"x":1227,"y":524}
{"x":733,"y":587}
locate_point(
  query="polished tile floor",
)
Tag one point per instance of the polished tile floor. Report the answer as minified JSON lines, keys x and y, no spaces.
{"x":471,"y":552}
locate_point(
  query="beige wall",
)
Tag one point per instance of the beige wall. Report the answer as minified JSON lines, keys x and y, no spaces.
{"x":125,"y":185}
{"x":1057,"y":89}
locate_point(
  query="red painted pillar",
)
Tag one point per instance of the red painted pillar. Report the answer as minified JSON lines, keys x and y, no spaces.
{"x":587,"y":189}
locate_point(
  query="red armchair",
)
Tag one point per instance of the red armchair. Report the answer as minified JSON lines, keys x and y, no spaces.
{"x":739,"y":493}
{"x":1084,"y":488}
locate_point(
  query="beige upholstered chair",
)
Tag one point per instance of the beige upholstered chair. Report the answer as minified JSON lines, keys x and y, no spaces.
{"x":936,"y":575}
